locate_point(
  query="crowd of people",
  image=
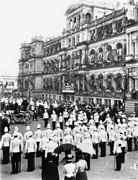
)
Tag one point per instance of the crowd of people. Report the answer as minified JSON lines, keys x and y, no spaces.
{"x":89,"y":128}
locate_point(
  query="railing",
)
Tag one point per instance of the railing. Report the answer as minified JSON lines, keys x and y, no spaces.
{"x":134,"y":94}
{"x":68,"y":89}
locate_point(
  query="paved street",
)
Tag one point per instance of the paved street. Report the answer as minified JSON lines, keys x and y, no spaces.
{"x":102,"y":168}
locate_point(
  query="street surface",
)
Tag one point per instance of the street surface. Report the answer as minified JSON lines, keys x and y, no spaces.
{"x":101,"y":168}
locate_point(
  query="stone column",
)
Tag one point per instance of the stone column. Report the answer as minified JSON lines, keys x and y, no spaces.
{"x":60,"y":84}
{"x":53,"y":82}
{"x":83,"y":63}
{"x":130,"y":84}
{"x":136,"y":46}
{"x":66,"y":42}
{"x":113,"y":27}
{"x":83,"y":82}
{"x":81,"y":36}
{"x":85,"y":37}
{"x":130,"y":44}
{"x":136,"y":84}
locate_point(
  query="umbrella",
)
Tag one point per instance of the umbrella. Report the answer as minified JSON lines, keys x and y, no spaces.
{"x":63,"y":148}
{"x":87,"y":148}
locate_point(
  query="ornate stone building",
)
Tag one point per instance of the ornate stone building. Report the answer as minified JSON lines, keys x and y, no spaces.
{"x":95,"y":59}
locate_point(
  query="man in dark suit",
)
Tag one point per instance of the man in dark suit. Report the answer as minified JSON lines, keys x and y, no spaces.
{"x":50,"y":169}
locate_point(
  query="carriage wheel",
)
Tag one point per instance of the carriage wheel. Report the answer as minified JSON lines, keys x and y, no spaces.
{"x":17,"y":119}
{"x":27,"y":117}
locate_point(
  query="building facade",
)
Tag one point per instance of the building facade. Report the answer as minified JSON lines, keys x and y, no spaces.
{"x":95,"y":59}
{"x":8,"y":85}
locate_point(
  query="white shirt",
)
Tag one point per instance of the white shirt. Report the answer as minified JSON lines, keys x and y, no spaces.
{"x":30,"y":145}
{"x":16,"y":145}
{"x":48,"y":132}
{"x":117,"y":146}
{"x":59,"y":133}
{"x":6,"y":139}
{"x":68,"y":139}
{"x":45,"y":116}
{"x":50,"y":146}
{"x":69,"y":169}
{"x":20,"y":136}
{"x":135,"y":131}
{"x":38,"y":135}
{"x":60,"y":118}
{"x":81,"y":165}
{"x":112,"y":135}
{"x":103,"y":136}
{"x":54,"y":117}
{"x":78,"y":138}
{"x":26,"y":135}
{"x":43,"y":142}
{"x":95,"y":137}
{"x":65,"y":114}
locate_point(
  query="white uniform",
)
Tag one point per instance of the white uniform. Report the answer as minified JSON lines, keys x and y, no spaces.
{"x":50,"y":147}
{"x":30,"y":145}
{"x":6,"y":139}
{"x":68,"y":139}
{"x":38,"y":135}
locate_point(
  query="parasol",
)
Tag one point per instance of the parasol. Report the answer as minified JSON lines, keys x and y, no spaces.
{"x":63,"y":148}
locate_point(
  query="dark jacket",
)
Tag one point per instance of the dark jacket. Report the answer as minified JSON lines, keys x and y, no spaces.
{"x":50,"y":171}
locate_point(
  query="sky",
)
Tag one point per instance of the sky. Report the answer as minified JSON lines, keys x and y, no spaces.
{"x":21,"y":20}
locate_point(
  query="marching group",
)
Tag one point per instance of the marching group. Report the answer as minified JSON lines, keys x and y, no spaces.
{"x":89,"y":133}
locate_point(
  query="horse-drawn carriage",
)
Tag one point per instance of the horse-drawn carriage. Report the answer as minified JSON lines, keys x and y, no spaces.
{"x":22,"y":117}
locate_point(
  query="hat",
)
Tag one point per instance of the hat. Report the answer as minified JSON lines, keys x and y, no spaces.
{"x":52,"y":137}
{"x":75,"y":123}
{"x":27,"y":128}
{"x":58,"y":125}
{"x":101,"y":122}
{"x":30,"y":134}
{"x":6,"y":129}
{"x":95,"y":129}
{"x":48,"y":126}
{"x":43,"y":134}
{"x":112,"y":127}
{"x":38,"y":126}
{"x":67,"y":124}
{"x":15,"y":134}
{"x":86,"y":135}
{"x":49,"y":156}
{"x":70,"y":157}
{"x":16,"y":128}
{"x":102,"y":127}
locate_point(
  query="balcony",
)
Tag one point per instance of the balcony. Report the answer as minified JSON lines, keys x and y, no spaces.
{"x":130,"y":59}
{"x":68,"y":89}
{"x":134,"y":94}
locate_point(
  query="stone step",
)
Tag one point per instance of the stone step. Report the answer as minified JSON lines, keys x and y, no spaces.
{"x":129,"y":106}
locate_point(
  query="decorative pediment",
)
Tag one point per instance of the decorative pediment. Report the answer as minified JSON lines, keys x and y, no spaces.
{"x":72,"y":8}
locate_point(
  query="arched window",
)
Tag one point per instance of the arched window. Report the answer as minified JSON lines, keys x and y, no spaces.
{"x":92,"y":51}
{"x":92,"y":82}
{"x":88,"y":17}
{"x":109,"y":53}
{"x":109,"y":78}
{"x":118,"y":81}
{"x":91,"y":56}
{"x":109,"y":48}
{"x":119,"y":49}
{"x":100,"y":82}
{"x":100,"y":55}
{"x":73,"y":41}
{"x":100,"y":50}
